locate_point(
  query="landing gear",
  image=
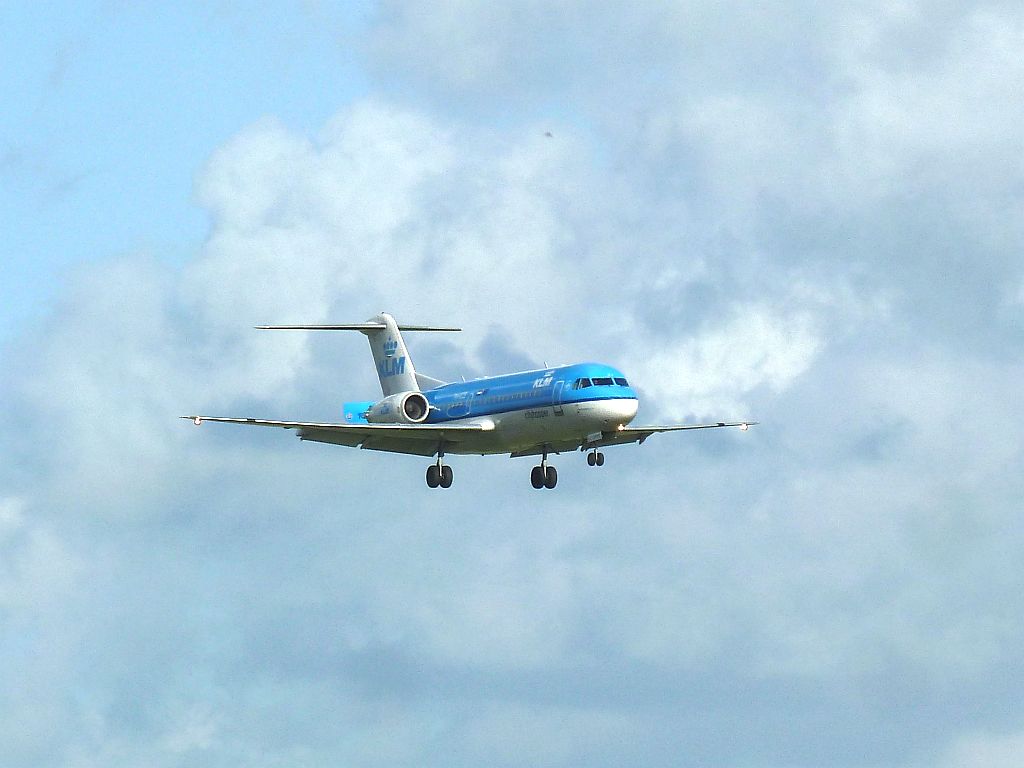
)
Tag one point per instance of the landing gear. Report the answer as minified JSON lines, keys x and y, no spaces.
{"x":440,"y":474}
{"x":595,"y":459}
{"x":544,"y":476}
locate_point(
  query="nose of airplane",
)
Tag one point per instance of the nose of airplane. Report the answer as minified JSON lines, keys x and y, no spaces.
{"x":620,"y":411}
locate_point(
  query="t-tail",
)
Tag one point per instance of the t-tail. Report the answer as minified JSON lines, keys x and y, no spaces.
{"x":390,"y":355}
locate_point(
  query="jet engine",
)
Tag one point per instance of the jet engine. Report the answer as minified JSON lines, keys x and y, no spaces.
{"x":400,"y":408}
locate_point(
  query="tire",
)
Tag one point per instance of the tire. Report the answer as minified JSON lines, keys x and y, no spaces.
{"x":537,"y":477}
{"x":433,"y":476}
{"x":551,"y":478}
{"x":447,"y":476}
{"x":591,"y":459}
{"x":599,"y":458}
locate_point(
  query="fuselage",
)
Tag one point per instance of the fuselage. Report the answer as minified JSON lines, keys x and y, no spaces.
{"x":557,"y":405}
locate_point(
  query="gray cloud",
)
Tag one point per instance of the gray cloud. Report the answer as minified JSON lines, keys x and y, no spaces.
{"x":808,"y":218}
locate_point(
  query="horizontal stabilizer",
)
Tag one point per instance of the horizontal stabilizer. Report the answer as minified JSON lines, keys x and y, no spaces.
{"x":352,"y":327}
{"x":390,"y":355}
{"x":426,"y":328}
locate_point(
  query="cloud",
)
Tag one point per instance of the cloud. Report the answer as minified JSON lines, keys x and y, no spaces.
{"x":984,"y":750}
{"x":780,"y":134}
{"x":712,"y":372}
{"x":745,"y":240}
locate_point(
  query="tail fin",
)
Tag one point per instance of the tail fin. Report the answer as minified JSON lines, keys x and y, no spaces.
{"x":390,"y":355}
{"x":394,"y":365}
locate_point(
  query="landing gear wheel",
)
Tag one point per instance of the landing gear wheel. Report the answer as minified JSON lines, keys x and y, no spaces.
{"x":551,"y":477}
{"x":599,"y":458}
{"x":591,"y":459}
{"x":537,"y":477}
{"x":446,"y":476}
{"x":433,"y":476}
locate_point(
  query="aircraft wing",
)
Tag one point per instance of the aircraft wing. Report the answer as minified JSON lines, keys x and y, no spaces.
{"x":639,"y":434}
{"x":417,"y":439}
{"x":622,"y":437}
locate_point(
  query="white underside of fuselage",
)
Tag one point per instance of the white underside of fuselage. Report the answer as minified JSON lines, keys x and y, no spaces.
{"x":524,"y":429}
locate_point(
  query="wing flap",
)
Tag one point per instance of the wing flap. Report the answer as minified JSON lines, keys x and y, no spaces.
{"x":561,"y":446}
{"x":419,"y":439}
{"x":414,"y":445}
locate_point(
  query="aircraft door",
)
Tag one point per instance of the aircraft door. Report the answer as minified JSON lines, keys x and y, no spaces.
{"x":460,"y":406}
{"x":556,"y":397}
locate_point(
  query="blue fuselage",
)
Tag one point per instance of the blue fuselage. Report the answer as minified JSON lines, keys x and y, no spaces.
{"x":562,"y":406}
{"x":542,"y":388}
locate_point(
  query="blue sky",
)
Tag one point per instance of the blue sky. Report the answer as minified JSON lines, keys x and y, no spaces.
{"x":807,"y":215}
{"x":113,"y":107}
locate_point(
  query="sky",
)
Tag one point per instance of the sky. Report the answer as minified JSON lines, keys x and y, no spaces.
{"x":807,"y":214}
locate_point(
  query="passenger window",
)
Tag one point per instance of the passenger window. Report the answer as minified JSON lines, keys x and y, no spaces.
{"x":622,"y":382}
{"x":602,"y":382}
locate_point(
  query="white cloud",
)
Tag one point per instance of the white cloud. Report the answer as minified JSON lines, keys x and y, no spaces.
{"x":985,"y":751}
{"x":195,"y":729}
{"x":951,"y":122}
{"x":386,"y":209}
{"x":711,"y":229}
{"x":38,"y":569}
{"x":299,"y":225}
{"x":710,"y":375}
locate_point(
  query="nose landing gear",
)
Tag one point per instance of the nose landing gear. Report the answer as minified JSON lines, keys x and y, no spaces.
{"x":595,"y":459}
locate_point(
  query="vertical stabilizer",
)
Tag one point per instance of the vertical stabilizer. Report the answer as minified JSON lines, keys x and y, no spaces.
{"x":390,"y":356}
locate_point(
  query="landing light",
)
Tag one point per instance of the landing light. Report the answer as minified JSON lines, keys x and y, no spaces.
{"x":197,"y":421}
{"x":744,"y":427}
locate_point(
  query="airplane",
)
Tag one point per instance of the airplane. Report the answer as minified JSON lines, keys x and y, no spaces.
{"x":579,"y":407}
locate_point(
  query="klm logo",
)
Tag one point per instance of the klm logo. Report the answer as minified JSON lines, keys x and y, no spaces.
{"x":542,"y":382}
{"x":390,"y":347}
{"x":391,"y":367}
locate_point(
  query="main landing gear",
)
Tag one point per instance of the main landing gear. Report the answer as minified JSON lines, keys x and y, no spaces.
{"x":544,"y":476}
{"x":440,"y":474}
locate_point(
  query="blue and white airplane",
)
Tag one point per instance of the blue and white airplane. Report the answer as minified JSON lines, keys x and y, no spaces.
{"x":579,"y":407}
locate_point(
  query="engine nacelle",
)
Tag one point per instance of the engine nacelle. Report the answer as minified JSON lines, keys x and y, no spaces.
{"x":400,"y":408}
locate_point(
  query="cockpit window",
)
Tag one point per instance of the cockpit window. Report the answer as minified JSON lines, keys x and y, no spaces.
{"x":602,"y":382}
{"x":622,"y":382}
{"x":582,"y":383}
